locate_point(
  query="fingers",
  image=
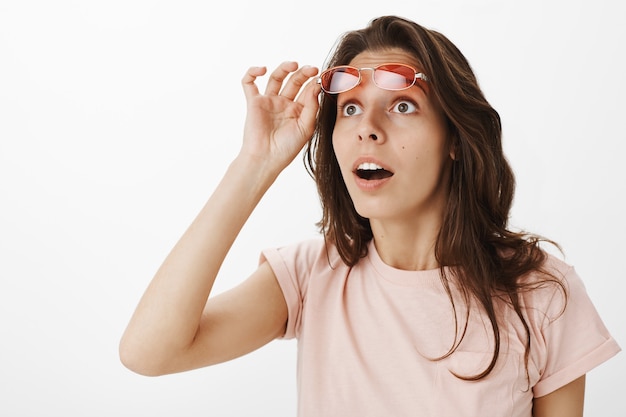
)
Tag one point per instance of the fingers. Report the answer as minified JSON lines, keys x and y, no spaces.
{"x":290,"y":88}
{"x":275,"y":82}
{"x":310,"y":102}
{"x":297,"y":80}
{"x":249,"y":87}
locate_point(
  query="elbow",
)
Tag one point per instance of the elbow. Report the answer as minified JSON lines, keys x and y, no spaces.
{"x":136,"y":359}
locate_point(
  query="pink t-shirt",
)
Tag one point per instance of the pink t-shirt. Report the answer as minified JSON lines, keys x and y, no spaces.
{"x":368,"y":336}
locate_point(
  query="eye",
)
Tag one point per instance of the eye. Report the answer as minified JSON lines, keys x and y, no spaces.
{"x":350,"y":109}
{"x":404,"y":106}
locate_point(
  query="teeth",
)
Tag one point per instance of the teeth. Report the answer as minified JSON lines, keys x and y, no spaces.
{"x":369,"y":166}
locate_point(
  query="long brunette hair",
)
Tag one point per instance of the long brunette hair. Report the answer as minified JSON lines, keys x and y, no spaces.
{"x":486,"y":258}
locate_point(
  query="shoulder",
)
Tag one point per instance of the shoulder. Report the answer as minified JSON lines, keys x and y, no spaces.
{"x":305,"y":253}
{"x":300,"y":260}
{"x":551,"y":274}
{"x":557,"y":305}
{"x":546,"y":291}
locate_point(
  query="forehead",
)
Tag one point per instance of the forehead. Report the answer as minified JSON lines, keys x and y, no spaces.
{"x":374,"y":58}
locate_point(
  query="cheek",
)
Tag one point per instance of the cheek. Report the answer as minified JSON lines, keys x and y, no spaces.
{"x":339,"y":150}
{"x":424,"y":158}
{"x":339,"y":147}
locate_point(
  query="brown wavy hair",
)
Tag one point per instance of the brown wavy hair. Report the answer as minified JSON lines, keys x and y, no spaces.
{"x":474,"y":241}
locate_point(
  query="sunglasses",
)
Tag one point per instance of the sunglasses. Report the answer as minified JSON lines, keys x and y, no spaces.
{"x":394,"y":77}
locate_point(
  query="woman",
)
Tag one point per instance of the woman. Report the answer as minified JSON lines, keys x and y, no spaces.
{"x":418,"y":300}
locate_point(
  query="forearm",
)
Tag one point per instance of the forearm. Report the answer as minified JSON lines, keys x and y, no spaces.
{"x":167,"y":318}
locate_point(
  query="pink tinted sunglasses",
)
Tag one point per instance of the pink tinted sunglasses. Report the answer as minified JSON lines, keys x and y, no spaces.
{"x":394,"y":77}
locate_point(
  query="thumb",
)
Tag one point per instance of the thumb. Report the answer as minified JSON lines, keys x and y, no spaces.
{"x":310,"y":105}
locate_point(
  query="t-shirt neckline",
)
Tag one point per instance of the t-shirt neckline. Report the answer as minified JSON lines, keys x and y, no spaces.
{"x":401,"y":276}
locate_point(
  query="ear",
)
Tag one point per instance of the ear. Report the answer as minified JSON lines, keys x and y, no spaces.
{"x":454,"y":143}
{"x":454,"y":149}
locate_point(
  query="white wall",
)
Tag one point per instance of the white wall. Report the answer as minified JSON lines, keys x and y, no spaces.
{"x":117,"y":119}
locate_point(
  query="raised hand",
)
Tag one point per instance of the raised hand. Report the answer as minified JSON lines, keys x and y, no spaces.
{"x":281,"y":121}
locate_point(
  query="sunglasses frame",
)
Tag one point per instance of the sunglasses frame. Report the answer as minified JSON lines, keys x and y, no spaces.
{"x":418,"y":76}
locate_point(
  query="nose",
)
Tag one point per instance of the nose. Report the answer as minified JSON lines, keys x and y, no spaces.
{"x":372,"y":120}
{"x":370,"y":129}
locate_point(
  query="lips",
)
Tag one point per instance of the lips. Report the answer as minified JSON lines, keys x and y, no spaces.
{"x":371,"y":171}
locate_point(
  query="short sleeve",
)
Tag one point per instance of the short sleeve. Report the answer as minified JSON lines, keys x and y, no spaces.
{"x":575,"y":338}
{"x":292,"y":266}
{"x":289,"y":287}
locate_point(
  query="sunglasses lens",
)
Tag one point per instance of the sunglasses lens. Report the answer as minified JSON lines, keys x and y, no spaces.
{"x":394,"y":77}
{"x":339,"y":79}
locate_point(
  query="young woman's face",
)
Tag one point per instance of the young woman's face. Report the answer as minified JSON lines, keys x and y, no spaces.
{"x":392,"y":147}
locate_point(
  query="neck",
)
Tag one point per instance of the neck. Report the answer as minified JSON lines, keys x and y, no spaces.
{"x":405,"y":246}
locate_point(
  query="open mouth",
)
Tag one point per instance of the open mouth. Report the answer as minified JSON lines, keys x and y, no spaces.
{"x":371,"y":171}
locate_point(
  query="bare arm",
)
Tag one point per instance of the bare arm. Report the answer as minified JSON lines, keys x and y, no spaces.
{"x":176,"y":326}
{"x":567,"y":401}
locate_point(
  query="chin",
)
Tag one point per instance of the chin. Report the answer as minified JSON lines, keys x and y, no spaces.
{"x":372,"y":211}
